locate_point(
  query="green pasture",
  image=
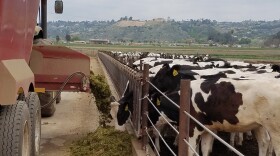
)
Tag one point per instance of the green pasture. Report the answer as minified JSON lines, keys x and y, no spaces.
{"x":246,"y":54}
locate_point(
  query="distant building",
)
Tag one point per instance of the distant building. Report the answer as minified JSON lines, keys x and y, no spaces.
{"x":98,"y":41}
{"x":159,"y":19}
{"x":80,"y":42}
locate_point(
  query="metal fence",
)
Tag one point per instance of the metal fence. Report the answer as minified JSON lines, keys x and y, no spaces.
{"x":139,"y":83}
{"x":121,"y":75}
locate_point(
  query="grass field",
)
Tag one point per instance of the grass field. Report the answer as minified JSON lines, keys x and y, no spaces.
{"x":246,"y":54}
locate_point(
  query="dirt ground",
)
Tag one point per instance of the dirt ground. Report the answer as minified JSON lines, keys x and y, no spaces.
{"x":75,"y":116}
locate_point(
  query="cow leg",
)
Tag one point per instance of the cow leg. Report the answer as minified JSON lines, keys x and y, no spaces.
{"x":239,"y":140}
{"x":207,"y":141}
{"x":263,"y":140}
{"x":232,"y":138}
{"x":275,"y":138}
{"x":236,"y":138}
{"x":270,"y":149}
{"x":157,"y":143}
{"x":175,"y":143}
{"x":192,"y":141}
{"x":249,"y":135}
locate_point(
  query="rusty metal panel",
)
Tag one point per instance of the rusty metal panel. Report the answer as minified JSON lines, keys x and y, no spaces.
{"x":53,"y":64}
{"x":17,"y":24}
{"x":15,"y":75}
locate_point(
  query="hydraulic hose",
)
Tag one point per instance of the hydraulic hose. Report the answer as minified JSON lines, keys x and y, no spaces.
{"x":63,"y":85}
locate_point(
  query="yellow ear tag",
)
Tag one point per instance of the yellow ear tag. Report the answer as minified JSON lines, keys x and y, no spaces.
{"x":126,"y":108}
{"x":158,"y":102}
{"x":175,"y":72}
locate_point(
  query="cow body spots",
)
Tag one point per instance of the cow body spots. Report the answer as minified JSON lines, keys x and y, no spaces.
{"x":222,"y":103}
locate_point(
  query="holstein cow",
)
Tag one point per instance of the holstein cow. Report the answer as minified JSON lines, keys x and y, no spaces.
{"x":171,"y":80}
{"x":121,"y":110}
{"x":167,"y":76}
{"x":232,"y":106}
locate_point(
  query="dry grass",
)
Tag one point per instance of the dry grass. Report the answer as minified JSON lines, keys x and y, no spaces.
{"x":247,"y":54}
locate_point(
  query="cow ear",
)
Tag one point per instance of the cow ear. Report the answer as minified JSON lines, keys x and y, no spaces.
{"x":126,"y":108}
{"x":175,"y":72}
{"x":158,"y":102}
{"x":165,"y":65}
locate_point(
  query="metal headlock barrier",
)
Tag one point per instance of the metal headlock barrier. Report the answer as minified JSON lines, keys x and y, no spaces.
{"x":139,"y":83}
{"x":121,"y":75}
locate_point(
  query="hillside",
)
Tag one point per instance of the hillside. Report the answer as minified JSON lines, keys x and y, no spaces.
{"x":166,"y":31}
{"x":125,"y":23}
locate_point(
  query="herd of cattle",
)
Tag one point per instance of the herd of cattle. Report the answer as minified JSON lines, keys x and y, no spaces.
{"x":229,"y":96}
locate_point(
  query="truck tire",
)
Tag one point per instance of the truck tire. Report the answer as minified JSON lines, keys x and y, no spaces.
{"x":15,"y":129}
{"x":45,"y":98}
{"x":34,"y":106}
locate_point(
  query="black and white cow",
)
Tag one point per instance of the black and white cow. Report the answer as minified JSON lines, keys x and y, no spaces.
{"x":167,"y":80}
{"x":124,"y":107}
{"x":275,"y":68}
{"x":121,"y":110}
{"x":233,"y":105}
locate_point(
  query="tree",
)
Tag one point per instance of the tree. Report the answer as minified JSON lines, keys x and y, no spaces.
{"x":273,"y":41}
{"x":57,"y":38}
{"x":244,"y":41}
{"x":68,"y":38}
{"x":189,"y":41}
{"x":75,"y":38}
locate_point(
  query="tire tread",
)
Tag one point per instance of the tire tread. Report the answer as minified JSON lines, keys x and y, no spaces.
{"x":10,"y":128}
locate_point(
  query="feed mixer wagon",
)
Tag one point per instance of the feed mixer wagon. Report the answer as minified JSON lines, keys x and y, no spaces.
{"x":32,"y":76}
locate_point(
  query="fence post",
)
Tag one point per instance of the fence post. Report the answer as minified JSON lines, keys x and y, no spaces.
{"x":141,"y":65}
{"x":184,"y":120}
{"x":145,"y":92}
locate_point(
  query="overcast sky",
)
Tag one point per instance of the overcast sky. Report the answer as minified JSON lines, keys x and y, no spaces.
{"x":220,"y":10}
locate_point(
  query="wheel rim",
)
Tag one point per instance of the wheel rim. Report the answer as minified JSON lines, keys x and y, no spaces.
{"x":37,"y":132}
{"x":26,"y":140}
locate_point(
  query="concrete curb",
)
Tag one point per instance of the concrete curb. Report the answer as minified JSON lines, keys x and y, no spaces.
{"x":137,"y":149}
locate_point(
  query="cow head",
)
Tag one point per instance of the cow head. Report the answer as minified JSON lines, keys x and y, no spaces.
{"x":166,"y":78}
{"x":121,"y":110}
{"x":275,"y":68}
{"x":114,"y":110}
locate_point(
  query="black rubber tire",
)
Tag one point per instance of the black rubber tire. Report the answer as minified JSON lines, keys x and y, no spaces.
{"x":34,"y":106}
{"x":15,"y":129}
{"x":45,"y":98}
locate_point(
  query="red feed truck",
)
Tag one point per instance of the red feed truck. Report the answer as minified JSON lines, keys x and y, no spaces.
{"x":27,"y":70}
